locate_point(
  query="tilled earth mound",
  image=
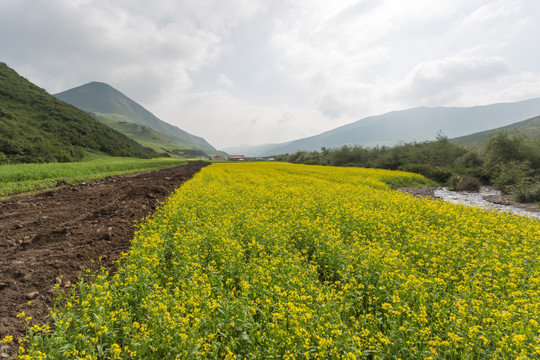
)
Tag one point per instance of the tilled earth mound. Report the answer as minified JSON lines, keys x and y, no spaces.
{"x":51,"y":237}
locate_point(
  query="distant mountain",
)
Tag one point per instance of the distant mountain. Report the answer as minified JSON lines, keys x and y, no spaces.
{"x":125,"y":115}
{"x":416,"y":124}
{"x":37,"y":127}
{"x":530,"y":128}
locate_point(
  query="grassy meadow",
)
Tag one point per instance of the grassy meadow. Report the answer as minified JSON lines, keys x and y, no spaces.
{"x":28,"y":177}
{"x":282,"y":261}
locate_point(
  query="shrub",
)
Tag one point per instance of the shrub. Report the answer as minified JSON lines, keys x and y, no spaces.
{"x":527,"y":191}
{"x":3,"y":158}
{"x":503,"y":149}
{"x":469,"y":160}
{"x":511,"y":173}
{"x":463,"y":183}
{"x":438,"y":174}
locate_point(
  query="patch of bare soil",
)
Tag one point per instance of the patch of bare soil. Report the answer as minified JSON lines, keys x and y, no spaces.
{"x":427,"y":191}
{"x":53,"y":235}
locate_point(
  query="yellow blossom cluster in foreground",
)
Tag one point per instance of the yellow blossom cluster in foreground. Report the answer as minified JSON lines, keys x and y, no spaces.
{"x":281,"y":261}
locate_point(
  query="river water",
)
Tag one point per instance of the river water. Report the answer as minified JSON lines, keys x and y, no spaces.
{"x":478,"y":199}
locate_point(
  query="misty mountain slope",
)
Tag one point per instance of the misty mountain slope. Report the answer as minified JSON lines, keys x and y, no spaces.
{"x":103,"y":99}
{"x":37,"y":127}
{"x":416,"y":124}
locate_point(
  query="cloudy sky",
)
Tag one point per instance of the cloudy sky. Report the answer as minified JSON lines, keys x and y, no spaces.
{"x":260,"y":71}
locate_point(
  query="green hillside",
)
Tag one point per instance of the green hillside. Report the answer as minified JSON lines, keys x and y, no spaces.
{"x":147,"y":137}
{"x":529,"y":128}
{"x":37,"y":127}
{"x":123,"y":114}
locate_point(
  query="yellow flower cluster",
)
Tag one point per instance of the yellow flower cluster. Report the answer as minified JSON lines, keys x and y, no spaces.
{"x":270,"y":260}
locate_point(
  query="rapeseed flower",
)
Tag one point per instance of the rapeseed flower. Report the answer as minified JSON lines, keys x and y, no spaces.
{"x":290,"y":261}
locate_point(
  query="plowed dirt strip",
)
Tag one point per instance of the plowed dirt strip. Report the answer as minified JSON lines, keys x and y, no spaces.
{"x":53,"y":235}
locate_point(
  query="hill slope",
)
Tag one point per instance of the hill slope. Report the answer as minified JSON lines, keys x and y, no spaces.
{"x":530,"y":128}
{"x":416,"y":124}
{"x":117,"y":110}
{"x":37,"y":127}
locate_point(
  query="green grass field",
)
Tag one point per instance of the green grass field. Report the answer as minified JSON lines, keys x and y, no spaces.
{"x":29,"y":177}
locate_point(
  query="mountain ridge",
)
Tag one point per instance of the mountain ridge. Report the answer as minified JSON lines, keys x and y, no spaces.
{"x":103,"y":99}
{"x":37,"y":127}
{"x":414,"y":124}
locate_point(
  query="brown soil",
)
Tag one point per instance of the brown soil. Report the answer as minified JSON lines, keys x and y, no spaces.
{"x":425,"y":191}
{"x":50,"y":237}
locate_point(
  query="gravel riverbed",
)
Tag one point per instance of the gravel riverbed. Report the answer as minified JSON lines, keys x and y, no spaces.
{"x":487,"y":197}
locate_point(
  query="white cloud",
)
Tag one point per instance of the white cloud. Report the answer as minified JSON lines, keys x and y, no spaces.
{"x":224,"y":80}
{"x":495,"y":11}
{"x":516,"y":87}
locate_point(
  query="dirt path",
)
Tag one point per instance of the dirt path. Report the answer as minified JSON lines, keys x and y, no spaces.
{"x":57,"y":233}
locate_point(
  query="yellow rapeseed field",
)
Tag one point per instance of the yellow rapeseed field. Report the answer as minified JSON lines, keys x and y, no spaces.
{"x":281,"y":261}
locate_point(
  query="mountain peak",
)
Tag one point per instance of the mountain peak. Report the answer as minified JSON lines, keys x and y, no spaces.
{"x":100,"y":85}
{"x":103,"y":99}
{"x":92,"y":88}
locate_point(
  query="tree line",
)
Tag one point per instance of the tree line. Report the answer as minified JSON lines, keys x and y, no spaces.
{"x":509,"y":163}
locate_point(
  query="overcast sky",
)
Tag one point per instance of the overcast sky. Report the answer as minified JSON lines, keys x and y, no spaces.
{"x":260,"y":71}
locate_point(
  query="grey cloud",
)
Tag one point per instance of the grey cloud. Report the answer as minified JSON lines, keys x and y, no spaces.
{"x":442,"y":79}
{"x":331,"y":106}
{"x":149,"y":47}
{"x":208,"y":62}
{"x":343,"y":103}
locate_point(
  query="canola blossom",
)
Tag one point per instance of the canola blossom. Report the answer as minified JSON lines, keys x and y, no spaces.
{"x":282,"y":261}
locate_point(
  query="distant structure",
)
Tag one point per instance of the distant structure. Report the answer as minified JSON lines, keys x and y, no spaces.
{"x":219,"y":157}
{"x":237,"y":157}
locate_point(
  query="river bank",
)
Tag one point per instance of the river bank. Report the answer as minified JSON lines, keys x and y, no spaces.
{"x":487,"y":197}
